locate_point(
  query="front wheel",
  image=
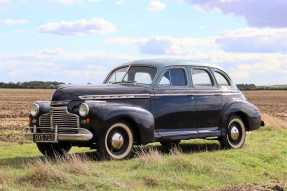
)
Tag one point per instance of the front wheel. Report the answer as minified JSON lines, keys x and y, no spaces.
{"x":117,"y":142}
{"x":53,"y":150}
{"x":235,"y":135}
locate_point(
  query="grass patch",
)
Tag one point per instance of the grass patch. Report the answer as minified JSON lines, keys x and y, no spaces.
{"x":197,"y":165}
{"x":43,"y":173}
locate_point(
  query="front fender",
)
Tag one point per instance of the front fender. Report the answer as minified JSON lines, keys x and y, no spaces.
{"x":249,"y":113}
{"x":107,"y":112}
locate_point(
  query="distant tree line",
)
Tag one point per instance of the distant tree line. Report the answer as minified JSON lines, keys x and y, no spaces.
{"x":246,"y":86}
{"x":254,"y":87}
{"x":31,"y":85}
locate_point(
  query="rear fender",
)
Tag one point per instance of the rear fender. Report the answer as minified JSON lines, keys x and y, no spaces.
{"x":249,"y":113}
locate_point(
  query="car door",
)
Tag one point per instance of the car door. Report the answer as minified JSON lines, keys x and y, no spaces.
{"x":171,"y":103}
{"x":207,"y":98}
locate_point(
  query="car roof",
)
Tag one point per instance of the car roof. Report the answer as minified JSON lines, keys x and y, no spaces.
{"x":160,"y":63}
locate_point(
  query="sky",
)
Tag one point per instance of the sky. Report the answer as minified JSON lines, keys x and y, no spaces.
{"x":80,"y":41}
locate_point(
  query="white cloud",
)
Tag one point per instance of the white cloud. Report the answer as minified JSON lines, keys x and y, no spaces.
{"x":258,"y":13}
{"x":11,"y":22}
{"x":119,"y":2}
{"x":74,"y":2}
{"x":244,"y":67}
{"x":156,"y":6}
{"x":166,"y":45}
{"x":60,"y":65}
{"x":254,"y":40}
{"x":262,"y":69}
{"x":3,"y":2}
{"x":79,"y":27}
{"x":245,"y":40}
{"x":81,"y":67}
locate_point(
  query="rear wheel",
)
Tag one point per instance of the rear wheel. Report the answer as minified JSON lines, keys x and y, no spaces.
{"x":235,"y":135}
{"x":54,"y":150}
{"x":117,"y":143}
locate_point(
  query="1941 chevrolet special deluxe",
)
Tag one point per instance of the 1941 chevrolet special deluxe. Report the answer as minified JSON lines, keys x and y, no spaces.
{"x":141,"y":102}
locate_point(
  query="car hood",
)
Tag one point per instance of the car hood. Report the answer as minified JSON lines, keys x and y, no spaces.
{"x":70,"y":93}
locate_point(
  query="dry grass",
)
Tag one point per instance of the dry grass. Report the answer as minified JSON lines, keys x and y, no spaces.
{"x":3,"y":179}
{"x":46,"y":172}
{"x":151,"y":181}
{"x":14,"y":108}
{"x":149,"y":156}
{"x":273,"y":103}
{"x":43,"y":173}
{"x":273,"y":121}
{"x":261,"y":161}
{"x":254,"y":187}
{"x":76,"y":165}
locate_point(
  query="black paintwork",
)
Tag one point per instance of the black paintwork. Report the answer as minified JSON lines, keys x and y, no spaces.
{"x":167,"y":113}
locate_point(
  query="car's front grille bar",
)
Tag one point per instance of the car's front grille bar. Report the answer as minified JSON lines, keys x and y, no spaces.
{"x":59,"y":117}
{"x":45,"y":120}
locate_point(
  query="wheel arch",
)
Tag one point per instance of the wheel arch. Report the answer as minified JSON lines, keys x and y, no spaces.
{"x":130,"y":122}
{"x":246,"y":111}
{"x":243,"y":116}
{"x":140,"y":120}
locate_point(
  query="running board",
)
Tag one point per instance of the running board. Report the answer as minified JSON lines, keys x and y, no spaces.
{"x":183,"y":134}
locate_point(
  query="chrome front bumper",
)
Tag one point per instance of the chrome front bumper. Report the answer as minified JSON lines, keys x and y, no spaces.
{"x":82,"y":135}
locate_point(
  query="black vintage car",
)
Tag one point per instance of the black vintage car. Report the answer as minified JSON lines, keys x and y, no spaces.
{"x":141,"y":102}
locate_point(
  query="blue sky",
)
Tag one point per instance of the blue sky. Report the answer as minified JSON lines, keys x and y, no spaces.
{"x":79,"y":41}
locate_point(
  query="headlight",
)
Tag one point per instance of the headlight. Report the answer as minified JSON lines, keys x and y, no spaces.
{"x":35,"y":109}
{"x":84,"y":110}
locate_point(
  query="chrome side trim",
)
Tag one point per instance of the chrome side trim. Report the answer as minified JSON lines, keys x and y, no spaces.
{"x":115,"y":96}
{"x":173,"y":133}
{"x":186,"y":132}
{"x":195,"y":94}
{"x":144,"y":96}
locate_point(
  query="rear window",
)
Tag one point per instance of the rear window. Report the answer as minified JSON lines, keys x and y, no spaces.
{"x":221,"y":79}
{"x":201,"y":78}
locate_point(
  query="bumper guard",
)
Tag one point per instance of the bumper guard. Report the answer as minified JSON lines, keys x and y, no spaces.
{"x":83,"y":134}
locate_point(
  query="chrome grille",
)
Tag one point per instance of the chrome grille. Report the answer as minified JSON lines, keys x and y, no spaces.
{"x":60,"y":117}
{"x":45,"y":120}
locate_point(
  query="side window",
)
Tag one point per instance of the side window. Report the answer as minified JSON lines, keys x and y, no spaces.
{"x":201,"y":78}
{"x":178,"y":77}
{"x":143,"y":77}
{"x":118,"y":75}
{"x":174,"y":77}
{"x":221,"y":79}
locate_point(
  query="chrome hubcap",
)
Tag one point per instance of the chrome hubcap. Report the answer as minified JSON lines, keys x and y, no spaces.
{"x":234,"y":133}
{"x":117,"y":141}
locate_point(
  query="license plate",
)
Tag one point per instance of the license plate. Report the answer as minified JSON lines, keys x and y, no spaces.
{"x":44,"y":138}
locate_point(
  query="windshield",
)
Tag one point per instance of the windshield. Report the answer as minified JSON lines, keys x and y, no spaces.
{"x":133,"y":74}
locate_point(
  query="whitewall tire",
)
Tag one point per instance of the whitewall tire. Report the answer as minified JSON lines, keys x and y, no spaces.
{"x":117,"y":144}
{"x":235,"y":135}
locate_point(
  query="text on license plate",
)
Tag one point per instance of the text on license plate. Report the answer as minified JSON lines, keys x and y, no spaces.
{"x":44,"y":138}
